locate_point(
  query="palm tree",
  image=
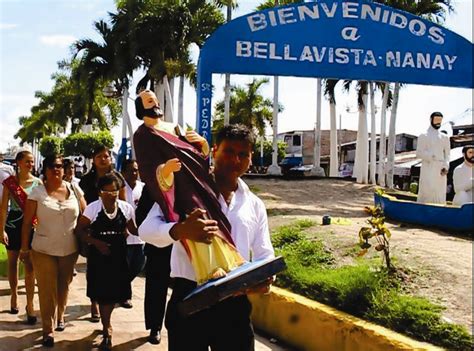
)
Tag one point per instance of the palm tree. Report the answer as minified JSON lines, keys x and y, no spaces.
{"x":274,"y":168}
{"x":386,"y":97}
{"x":205,"y":19}
{"x":247,"y":107}
{"x":230,"y":5}
{"x":105,"y":61}
{"x":66,"y":104}
{"x":433,"y":10}
{"x":373,"y":135}
{"x":329,"y":92}
{"x":392,"y":137}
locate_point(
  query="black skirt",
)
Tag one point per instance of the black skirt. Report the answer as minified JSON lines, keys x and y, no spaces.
{"x":108,"y":278}
{"x":13,"y":230}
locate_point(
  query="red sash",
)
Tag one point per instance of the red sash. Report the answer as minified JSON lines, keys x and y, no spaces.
{"x":18,"y":194}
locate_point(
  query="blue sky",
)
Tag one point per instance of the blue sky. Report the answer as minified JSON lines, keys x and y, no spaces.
{"x":35,"y":35}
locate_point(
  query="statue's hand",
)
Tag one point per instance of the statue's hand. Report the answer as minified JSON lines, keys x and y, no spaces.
{"x":194,"y":138}
{"x":171,"y":166}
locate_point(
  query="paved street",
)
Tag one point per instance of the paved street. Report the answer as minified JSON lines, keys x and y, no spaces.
{"x":80,"y":333}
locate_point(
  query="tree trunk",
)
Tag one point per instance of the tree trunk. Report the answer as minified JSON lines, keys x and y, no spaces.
{"x":160,"y":93}
{"x":373,"y":137}
{"x":181,"y":101}
{"x":361,"y":162}
{"x":333,"y":167}
{"x":392,"y":137}
{"x":383,"y":139}
{"x":274,"y":169}
{"x":129,"y":122}
{"x":169,"y":101}
{"x":227,"y":80}
{"x":317,"y":130}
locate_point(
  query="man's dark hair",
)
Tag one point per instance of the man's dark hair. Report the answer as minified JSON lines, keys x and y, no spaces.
{"x":467,"y":147}
{"x":22,"y":154}
{"x":235,"y":132}
{"x":67,"y":162}
{"x":139,"y":109}
{"x":49,"y":162}
{"x":107,"y":179}
{"x":99,"y":149}
{"x":126,"y":163}
{"x":436,"y":114}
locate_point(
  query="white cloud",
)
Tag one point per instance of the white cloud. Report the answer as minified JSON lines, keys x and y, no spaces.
{"x":8,"y":26}
{"x":57,"y":40}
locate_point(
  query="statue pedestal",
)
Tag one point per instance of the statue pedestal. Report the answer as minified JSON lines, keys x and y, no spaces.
{"x":274,"y":170}
{"x":241,"y":278}
{"x":317,"y":171}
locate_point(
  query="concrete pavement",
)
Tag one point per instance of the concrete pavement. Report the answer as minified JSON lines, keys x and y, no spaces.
{"x":80,"y":333}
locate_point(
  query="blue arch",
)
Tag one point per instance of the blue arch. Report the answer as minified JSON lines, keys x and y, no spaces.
{"x":359,"y":40}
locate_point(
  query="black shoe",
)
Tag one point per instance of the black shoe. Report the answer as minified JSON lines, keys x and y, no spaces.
{"x":106,"y":344}
{"x":126,"y":304}
{"x":30,"y":319}
{"x":14,"y":310}
{"x":48,"y":341}
{"x":154,"y":337}
{"x":61,"y":326}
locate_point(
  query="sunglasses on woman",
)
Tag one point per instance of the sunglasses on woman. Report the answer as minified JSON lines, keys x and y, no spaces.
{"x":111,"y":193}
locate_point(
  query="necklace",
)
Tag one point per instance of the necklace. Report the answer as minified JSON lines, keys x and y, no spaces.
{"x":110,"y":215}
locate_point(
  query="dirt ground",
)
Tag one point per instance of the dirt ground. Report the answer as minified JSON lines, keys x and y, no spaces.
{"x":438,"y":265}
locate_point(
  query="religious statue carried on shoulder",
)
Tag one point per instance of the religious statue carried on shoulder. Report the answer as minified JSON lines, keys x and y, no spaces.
{"x":175,"y":168}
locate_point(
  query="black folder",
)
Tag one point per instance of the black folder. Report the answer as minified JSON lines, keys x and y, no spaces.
{"x":246,"y":276}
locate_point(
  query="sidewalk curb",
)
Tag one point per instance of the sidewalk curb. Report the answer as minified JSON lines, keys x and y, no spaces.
{"x":310,"y":325}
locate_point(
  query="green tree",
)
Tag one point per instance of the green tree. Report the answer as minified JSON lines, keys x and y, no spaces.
{"x":51,"y":145}
{"x":66,"y":105}
{"x":248,"y":107}
{"x":267,"y":152}
{"x":86,"y":143}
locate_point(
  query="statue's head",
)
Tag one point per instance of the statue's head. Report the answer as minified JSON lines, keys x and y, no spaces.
{"x":436,"y":119}
{"x":147,"y":105}
{"x":468,"y":152}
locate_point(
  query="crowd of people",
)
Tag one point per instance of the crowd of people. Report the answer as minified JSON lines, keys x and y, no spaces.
{"x":114,"y":219}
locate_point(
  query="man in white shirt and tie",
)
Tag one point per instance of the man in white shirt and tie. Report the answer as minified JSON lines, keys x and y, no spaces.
{"x":227,"y":325}
{"x":133,"y":191}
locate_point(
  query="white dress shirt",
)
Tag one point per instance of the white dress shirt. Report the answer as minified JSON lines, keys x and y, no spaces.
{"x":132,"y":196}
{"x":5,"y":172}
{"x":247,"y":216}
{"x":54,"y":233}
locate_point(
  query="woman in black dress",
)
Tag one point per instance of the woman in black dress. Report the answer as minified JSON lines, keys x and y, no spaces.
{"x":103,"y":226}
{"x":101,"y":164}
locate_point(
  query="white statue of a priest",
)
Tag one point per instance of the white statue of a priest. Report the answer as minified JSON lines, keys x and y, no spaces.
{"x":433,"y":149}
{"x":463,"y":178}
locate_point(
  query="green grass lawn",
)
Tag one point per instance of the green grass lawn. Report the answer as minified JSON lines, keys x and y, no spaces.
{"x":364,"y":289}
{"x":4,"y":263}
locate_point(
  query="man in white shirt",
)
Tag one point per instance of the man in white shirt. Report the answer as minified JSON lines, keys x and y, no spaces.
{"x":227,"y":325}
{"x":463,"y":178}
{"x":434,"y":149}
{"x":5,"y":172}
{"x":133,"y":191}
